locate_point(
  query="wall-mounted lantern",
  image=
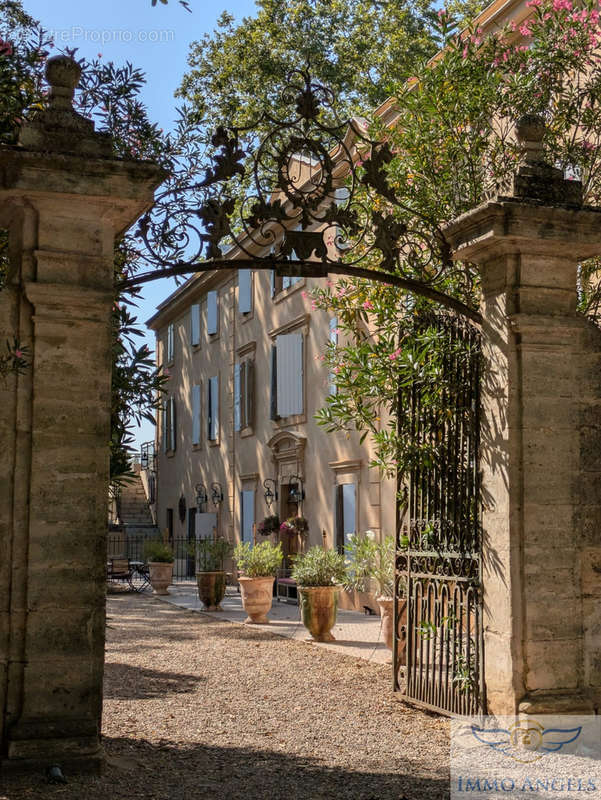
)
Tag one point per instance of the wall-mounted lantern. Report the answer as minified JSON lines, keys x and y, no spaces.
{"x":216,"y":493}
{"x":296,"y":492}
{"x":201,"y":495}
{"x":270,"y":494}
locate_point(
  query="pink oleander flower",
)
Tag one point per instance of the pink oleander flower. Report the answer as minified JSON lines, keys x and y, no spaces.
{"x":368,"y":305}
{"x":18,"y":354}
{"x":536,"y":3}
{"x":525,"y":28}
{"x":395,"y":355}
{"x":560,"y":5}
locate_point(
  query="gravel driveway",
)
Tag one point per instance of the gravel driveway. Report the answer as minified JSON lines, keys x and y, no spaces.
{"x":200,"y":708}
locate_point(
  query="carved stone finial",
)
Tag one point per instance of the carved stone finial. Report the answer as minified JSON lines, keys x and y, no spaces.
{"x":535,"y":179}
{"x":530,"y":131}
{"x":63,"y":75}
{"x":59,"y":128}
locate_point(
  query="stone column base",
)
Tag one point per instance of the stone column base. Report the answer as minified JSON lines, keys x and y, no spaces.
{"x":559,"y":702}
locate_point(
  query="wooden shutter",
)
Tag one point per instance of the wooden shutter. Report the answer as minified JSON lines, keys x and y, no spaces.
{"x":170,"y":344}
{"x":244,"y":290}
{"x":250,"y":393}
{"x":172,"y":428}
{"x":339,"y":520}
{"x":289,"y":374}
{"x":213,"y":407}
{"x":164,"y":425}
{"x":247,"y":515}
{"x":242,"y":397}
{"x":273,"y":402}
{"x":196,"y":415}
{"x":237,"y":420}
{"x":212,"y":312}
{"x":195,"y":324}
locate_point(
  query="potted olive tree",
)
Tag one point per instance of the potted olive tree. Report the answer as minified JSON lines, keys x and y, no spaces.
{"x":259,"y":565}
{"x":319,"y":574}
{"x":159,"y":557}
{"x":210,"y":576}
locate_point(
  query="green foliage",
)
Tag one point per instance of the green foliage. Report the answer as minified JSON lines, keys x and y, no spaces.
{"x":157,"y":550}
{"x":269,"y":525}
{"x":453,"y":145}
{"x":319,"y":567}
{"x":259,"y":561}
{"x":367,"y":558}
{"x":210,"y":554}
{"x":360,"y":49}
{"x":14,"y":360}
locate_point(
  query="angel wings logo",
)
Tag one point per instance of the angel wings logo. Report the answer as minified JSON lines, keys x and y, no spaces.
{"x":526,"y":741}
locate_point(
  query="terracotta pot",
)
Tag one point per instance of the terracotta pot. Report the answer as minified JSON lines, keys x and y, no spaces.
{"x":211,"y":589}
{"x":257,"y":597}
{"x":386,"y":605}
{"x":160,"y":573}
{"x":318,"y":606}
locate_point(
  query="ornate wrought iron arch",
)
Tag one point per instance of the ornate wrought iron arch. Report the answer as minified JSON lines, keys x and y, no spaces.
{"x":320,"y":203}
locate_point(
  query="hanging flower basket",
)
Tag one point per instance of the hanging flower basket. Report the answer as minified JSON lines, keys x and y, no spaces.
{"x":269,"y":525}
{"x":295,"y":525}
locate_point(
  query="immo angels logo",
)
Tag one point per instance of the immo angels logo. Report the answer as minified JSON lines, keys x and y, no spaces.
{"x":526,"y":741}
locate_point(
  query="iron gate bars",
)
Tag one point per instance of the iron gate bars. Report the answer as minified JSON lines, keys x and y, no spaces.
{"x":316,"y":200}
{"x":438,"y":598}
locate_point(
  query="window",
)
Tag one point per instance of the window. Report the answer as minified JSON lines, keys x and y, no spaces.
{"x":333,"y":341}
{"x":213,"y":409}
{"x":170,"y":342}
{"x":346,"y":509}
{"x":168,"y":421}
{"x":196,"y":415}
{"x":244,"y":291}
{"x":212,"y":313}
{"x":287,"y":376}
{"x":244,"y":391}
{"x":195,"y":325}
{"x":247,"y":515}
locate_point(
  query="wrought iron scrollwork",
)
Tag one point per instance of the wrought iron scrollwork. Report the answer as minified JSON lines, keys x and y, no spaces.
{"x":316,"y":200}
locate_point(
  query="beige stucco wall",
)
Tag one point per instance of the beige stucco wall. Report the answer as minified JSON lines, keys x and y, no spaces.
{"x":242,"y":460}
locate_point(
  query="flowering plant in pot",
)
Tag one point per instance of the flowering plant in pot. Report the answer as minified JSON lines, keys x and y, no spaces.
{"x":269,"y":525}
{"x":259,"y":565}
{"x":210,"y":576}
{"x":295,"y":525}
{"x":319,"y":574}
{"x":159,"y":556}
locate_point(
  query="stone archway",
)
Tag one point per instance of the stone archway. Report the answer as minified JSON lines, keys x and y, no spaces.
{"x":288,"y":452}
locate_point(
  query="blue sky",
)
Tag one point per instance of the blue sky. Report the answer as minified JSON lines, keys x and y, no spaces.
{"x":154,"y":39}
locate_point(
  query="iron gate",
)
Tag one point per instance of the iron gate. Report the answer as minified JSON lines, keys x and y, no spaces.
{"x":438,"y":602}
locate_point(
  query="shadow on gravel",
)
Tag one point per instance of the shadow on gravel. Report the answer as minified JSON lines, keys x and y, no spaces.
{"x":143,"y":771}
{"x":127,"y":682}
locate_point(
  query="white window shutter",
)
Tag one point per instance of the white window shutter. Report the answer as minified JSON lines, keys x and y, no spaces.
{"x":195,"y":324}
{"x":170,"y":345}
{"x":212,"y":312}
{"x":289,"y":374}
{"x":196,"y":415}
{"x":244,"y":290}
{"x":349,"y":509}
{"x":250,"y":393}
{"x":236,"y":397}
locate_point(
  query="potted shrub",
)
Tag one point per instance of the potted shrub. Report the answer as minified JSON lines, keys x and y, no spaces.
{"x":210,"y":575}
{"x":259,"y":565}
{"x":318,"y":574}
{"x":367,"y":560}
{"x":159,"y":557}
{"x":269,"y":525}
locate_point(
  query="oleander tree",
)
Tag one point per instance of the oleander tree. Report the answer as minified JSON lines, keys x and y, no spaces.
{"x":453,"y":146}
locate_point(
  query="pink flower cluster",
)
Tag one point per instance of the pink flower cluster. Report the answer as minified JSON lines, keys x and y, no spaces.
{"x":393,"y":356}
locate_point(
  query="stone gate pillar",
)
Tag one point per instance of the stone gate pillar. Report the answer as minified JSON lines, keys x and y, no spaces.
{"x":541,"y":437}
{"x":64,"y":198}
